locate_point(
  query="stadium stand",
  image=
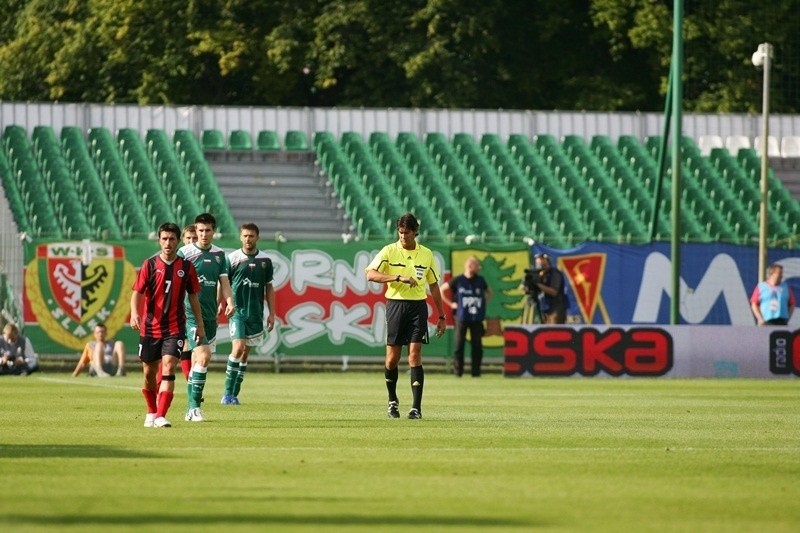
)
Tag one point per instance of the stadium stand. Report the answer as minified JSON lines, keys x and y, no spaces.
{"x":557,"y":191}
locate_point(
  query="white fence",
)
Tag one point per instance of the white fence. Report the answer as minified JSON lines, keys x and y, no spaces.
{"x":391,"y":121}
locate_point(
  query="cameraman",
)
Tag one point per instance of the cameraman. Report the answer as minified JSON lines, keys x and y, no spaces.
{"x":544,"y":288}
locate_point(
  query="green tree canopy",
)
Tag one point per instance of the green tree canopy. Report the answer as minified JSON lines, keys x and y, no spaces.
{"x":512,"y":54}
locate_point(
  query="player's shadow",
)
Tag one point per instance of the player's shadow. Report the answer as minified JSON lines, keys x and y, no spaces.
{"x":91,"y":451}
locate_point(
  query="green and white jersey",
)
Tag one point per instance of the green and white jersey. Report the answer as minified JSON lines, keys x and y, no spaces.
{"x":250,"y":275}
{"x":211,"y":265}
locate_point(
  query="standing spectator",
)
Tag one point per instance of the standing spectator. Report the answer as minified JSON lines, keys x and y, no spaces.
{"x":405,"y":266}
{"x":470,"y":296}
{"x":251,"y":283}
{"x":212,"y":268}
{"x":163,"y":284}
{"x":772,"y":301}
{"x":16,"y":353}
{"x":103,"y":357}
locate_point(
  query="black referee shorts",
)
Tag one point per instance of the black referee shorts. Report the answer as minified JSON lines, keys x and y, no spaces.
{"x":406,"y":322}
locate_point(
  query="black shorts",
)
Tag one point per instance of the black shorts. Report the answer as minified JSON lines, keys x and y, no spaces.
{"x":152,"y":349}
{"x":406,"y":322}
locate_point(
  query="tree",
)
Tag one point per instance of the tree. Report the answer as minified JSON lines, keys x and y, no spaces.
{"x":719,"y":38}
{"x":502,"y":305}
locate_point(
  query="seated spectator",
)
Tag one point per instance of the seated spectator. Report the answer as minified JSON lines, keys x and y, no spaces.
{"x":103,"y":357}
{"x":16,"y":353}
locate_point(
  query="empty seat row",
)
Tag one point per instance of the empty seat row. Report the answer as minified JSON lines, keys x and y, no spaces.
{"x":266,"y":140}
{"x":788,"y":146}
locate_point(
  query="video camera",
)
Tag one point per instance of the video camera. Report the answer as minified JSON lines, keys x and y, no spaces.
{"x":529,"y":283}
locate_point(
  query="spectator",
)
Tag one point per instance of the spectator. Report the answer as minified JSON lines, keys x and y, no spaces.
{"x":772,"y":301}
{"x":470,"y":295}
{"x":16,"y":353}
{"x":103,"y":357}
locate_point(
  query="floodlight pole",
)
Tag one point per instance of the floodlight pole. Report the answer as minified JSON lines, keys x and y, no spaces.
{"x":765,"y":50}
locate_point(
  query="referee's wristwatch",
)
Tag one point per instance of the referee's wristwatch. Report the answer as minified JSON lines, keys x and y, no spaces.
{"x":397,"y":278}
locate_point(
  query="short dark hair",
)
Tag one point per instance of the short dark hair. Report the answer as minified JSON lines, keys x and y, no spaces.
{"x":408,"y":221}
{"x":251,"y":226}
{"x":206,"y":218}
{"x":169,"y":227}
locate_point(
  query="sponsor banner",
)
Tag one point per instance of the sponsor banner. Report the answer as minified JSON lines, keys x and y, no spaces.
{"x":324,"y":304}
{"x":651,"y":351}
{"x":326,"y":307}
{"x":625,"y":284}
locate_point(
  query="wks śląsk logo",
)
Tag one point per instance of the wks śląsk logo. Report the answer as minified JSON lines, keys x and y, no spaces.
{"x":72,"y":286}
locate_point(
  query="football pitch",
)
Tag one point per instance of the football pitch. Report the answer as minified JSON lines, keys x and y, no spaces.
{"x":316,"y":451}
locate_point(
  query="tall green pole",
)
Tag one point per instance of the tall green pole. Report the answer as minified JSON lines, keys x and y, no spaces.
{"x":662,"y":160}
{"x":677,"y":126}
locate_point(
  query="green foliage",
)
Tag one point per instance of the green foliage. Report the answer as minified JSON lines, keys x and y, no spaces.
{"x":541,"y":54}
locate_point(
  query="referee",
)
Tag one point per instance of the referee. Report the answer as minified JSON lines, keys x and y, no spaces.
{"x":405,"y":266}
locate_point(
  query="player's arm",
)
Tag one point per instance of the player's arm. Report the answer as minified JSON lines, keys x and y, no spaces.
{"x":269,"y":296}
{"x":136,"y":300}
{"x":437,"y":299}
{"x":194,"y":304}
{"x":227,"y":294}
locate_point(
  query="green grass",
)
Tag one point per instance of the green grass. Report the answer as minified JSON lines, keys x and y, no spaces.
{"x":310,"y":452}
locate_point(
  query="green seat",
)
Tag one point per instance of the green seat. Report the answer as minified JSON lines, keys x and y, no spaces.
{"x":268,"y":140}
{"x":213,"y":140}
{"x":296,"y":141}
{"x":240,"y":140}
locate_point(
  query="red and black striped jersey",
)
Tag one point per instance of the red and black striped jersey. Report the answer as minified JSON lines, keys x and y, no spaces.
{"x":164,"y":286}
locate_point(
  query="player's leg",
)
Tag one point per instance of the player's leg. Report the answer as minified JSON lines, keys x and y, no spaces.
{"x":236,"y":324}
{"x":417,"y":378}
{"x":201,"y":357}
{"x":390,"y":374}
{"x":240,"y":378}
{"x":186,"y":359}
{"x":394,"y":345}
{"x":254,"y":336}
{"x":418,"y":335}
{"x":149,"y":359}
{"x":170,"y":350}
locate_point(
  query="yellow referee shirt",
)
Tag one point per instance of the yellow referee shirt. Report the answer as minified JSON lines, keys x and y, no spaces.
{"x":394,"y":259}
